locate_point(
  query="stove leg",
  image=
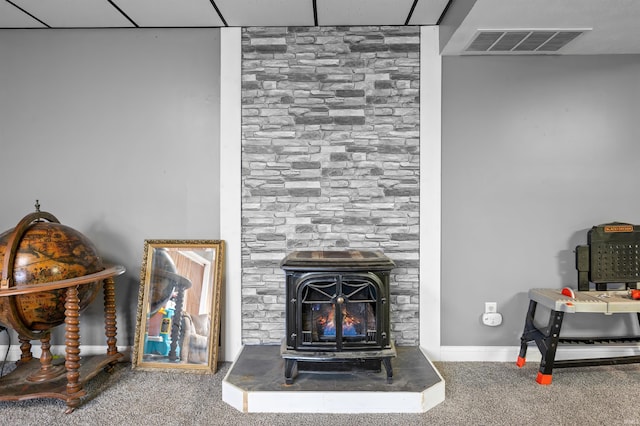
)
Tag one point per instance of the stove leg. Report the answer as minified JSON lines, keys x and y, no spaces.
{"x":387,"y":366}
{"x":289,"y":367}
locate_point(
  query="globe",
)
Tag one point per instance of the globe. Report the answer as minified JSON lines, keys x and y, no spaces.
{"x":45,"y":251}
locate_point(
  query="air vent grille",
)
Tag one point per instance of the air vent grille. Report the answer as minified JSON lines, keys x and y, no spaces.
{"x":521,"y":41}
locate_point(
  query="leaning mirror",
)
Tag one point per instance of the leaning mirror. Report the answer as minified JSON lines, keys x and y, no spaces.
{"x":178,"y":321}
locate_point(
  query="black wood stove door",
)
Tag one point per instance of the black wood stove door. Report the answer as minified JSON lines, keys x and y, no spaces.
{"x":340,"y":311}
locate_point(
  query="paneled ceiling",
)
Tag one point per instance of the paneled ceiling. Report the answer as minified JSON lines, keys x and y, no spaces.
{"x":215,"y":13}
{"x":606,"y":26}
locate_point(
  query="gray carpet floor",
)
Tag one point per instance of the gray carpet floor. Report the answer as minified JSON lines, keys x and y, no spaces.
{"x":477,"y":393}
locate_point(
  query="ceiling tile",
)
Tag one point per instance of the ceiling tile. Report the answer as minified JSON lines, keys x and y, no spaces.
{"x":12,"y":17}
{"x":260,"y":13}
{"x":427,"y":12}
{"x":363,"y":12}
{"x":75,"y":13}
{"x":171,"y":13}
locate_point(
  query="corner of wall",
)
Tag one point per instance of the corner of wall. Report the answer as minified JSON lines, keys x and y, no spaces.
{"x":230,"y":182}
{"x":430,"y":190}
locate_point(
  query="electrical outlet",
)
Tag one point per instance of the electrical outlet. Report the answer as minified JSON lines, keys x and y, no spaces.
{"x":490,"y":307}
{"x":492,"y":319}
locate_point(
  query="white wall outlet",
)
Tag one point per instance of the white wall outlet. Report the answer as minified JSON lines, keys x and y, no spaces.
{"x":492,"y":319}
{"x":490,"y":307}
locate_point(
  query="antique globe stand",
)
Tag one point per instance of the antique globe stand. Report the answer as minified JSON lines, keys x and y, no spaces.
{"x":33,"y":378}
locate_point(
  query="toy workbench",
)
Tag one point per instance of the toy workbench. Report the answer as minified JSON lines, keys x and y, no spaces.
{"x":612,"y":256}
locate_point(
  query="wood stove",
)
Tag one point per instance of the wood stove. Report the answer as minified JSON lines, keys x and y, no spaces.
{"x":337,"y":312}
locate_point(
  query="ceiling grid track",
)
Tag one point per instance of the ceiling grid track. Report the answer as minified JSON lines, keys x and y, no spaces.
{"x":444,"y":12}
{"x":215,"y":6}
{"x":24,"y":11}
{"x":123,"y":14}
{"x":413,"y":6}
{"x":315,"y":12}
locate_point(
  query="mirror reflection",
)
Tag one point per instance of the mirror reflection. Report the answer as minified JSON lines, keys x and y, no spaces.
{"x":178,"y":318}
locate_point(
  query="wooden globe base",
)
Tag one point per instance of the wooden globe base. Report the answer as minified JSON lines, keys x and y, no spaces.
{"x":47,"y":370}
{"x":50,"y":373}
{"x":40,"y":378}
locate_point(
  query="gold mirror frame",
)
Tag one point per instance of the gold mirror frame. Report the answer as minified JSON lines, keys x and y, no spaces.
{"x":178,"y":319}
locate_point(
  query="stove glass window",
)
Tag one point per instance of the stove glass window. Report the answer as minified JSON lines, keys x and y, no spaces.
{"x":339,"y":311}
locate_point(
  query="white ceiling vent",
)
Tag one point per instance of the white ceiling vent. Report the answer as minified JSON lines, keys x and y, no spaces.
{"x":521,"y":41}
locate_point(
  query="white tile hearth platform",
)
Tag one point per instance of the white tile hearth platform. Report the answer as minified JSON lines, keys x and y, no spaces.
{"x":255,"y":384}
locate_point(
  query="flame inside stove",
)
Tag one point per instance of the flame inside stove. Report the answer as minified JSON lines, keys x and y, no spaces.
{"x":327,"y":323}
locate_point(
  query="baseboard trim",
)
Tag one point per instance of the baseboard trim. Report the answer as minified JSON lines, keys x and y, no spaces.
{"x":59,"y":351}
{"x":447,"y":353}
{"x":510,"y":353}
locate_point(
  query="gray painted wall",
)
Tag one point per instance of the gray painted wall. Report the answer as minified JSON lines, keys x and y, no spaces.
{"x":96,"y":124}
{"x":535,"y":151}
{"x":115,"y":132}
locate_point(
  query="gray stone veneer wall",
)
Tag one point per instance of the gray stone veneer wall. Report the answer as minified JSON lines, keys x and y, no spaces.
{"x":330,"y":160}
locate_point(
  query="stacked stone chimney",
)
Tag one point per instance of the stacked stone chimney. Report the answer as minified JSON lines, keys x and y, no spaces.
{"x":330,"y":158}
